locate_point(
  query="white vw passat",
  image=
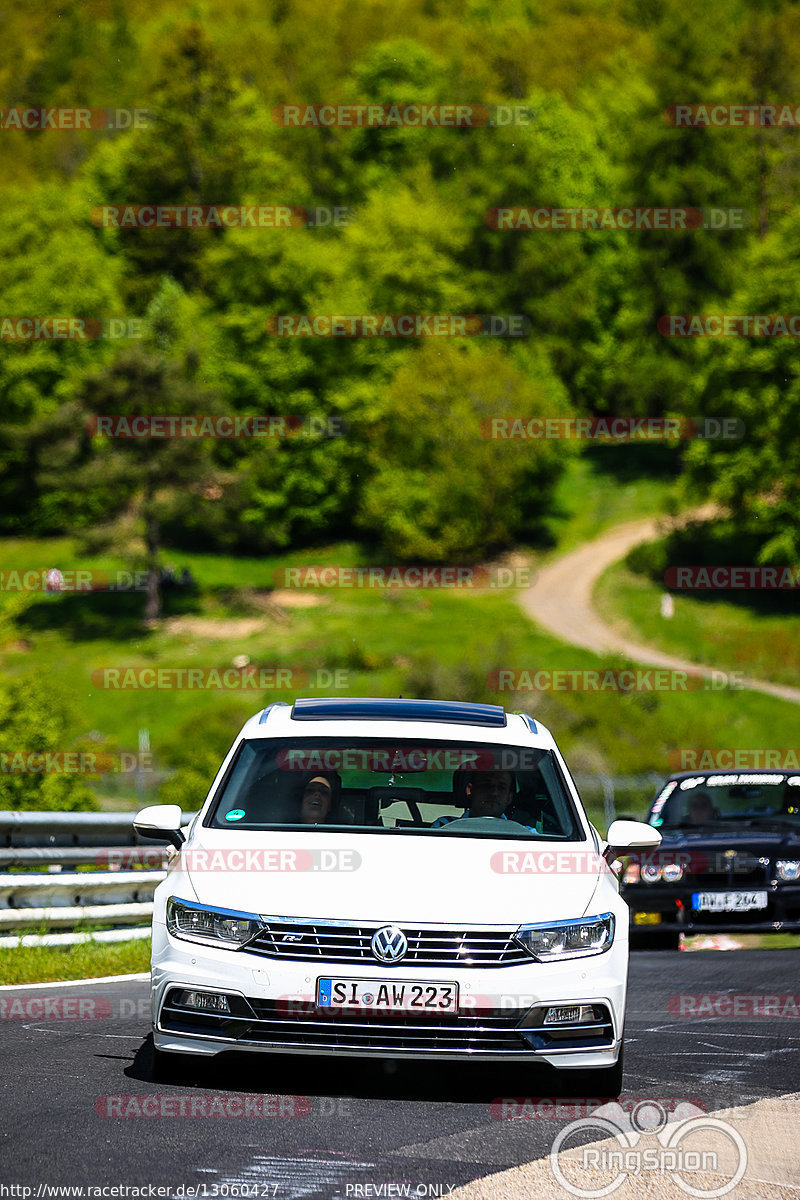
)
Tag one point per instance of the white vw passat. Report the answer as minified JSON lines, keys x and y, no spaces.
{"x":396,"y":878}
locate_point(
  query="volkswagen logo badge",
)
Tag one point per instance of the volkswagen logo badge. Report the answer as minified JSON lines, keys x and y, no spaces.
{"x":389,"y":944}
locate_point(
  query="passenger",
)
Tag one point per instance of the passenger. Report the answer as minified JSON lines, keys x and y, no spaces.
{"x":318,"y":797}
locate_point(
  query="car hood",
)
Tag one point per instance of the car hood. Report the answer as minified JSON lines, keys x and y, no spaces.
{"x":389,"y":878}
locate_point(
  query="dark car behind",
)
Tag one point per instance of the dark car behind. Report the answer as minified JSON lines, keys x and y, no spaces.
{"x":729,"y":859}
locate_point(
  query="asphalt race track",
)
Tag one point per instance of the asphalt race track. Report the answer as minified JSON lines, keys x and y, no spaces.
{"x":347,"y":1121}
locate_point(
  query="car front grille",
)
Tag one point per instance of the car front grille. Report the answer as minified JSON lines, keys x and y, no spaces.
{"x":730,"y":871}
{"x":303,"y":1027}
{"x":303,"y":941}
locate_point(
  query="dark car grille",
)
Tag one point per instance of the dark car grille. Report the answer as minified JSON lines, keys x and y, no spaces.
{"x":734,"y":871}
{"x":304,"y":1027}
{"x":340,"y":943}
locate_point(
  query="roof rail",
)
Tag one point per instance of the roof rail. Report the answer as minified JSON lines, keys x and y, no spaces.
{"x":265,"y":714}
{"x":449,"y":712}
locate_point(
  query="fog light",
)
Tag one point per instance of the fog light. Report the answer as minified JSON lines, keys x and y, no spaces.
{"x":205,"y":1000}
{"x":579,"y":1014}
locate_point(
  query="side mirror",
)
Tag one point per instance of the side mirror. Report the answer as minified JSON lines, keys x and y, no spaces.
{"x":160,"y":823}
{"x":629,"y":835}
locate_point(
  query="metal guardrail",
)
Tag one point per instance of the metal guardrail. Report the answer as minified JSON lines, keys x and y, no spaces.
{"x":116,"y":889}
{"x":123,"y":870}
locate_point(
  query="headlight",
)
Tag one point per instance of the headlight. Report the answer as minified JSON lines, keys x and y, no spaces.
{"x":671,"y":872}
{"x":632,"y":873}
{"x":568,"y":939}
{"x":201,"y":923}
{"x":651,"y":874}
{"x":788,"y":869}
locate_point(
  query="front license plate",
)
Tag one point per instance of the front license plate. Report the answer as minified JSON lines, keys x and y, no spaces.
{"x":728,"y":901}
{"x":375,"y":995}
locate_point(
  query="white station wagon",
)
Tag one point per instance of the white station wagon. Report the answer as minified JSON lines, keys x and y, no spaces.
{"x":395,"y":878}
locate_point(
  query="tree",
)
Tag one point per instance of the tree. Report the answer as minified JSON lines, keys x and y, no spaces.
{"x":140,"y":479}
{"x":440,"y":488}
{"x":34,"y":721}
{"x":756,"y":380}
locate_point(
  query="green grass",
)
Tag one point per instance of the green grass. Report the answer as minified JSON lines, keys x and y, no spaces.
{"x":607,"y":485}
{"x":721,"y":633}
{"x":40,"y":964}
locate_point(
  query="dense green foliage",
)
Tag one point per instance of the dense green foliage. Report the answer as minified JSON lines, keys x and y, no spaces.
{"x":412,"y":473}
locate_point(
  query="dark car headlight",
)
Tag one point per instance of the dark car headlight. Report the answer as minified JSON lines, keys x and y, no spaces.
{"x":568,"y":939}
{"x":212,"y":926}
{"x":788,"y":869}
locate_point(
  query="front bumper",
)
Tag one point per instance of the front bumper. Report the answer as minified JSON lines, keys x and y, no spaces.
{"x":500,"y":1018}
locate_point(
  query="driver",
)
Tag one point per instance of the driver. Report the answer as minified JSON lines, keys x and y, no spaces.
{"x":490,"y":794}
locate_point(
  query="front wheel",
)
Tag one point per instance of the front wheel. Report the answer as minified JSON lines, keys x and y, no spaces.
{"x":601,"y":1083}
{"x":170,"y":1068}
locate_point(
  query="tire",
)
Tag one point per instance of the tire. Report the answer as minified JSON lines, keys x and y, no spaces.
{"x":170,"y":1068}
{"x":663,"y":939}
{"x":603,"y":1082}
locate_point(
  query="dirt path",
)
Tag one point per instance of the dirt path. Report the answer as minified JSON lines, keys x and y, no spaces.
{"x":561,"y":602}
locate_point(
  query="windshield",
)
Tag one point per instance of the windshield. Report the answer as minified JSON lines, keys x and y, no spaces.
{"x":704,"y":799}
{"x":402,"y":787}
